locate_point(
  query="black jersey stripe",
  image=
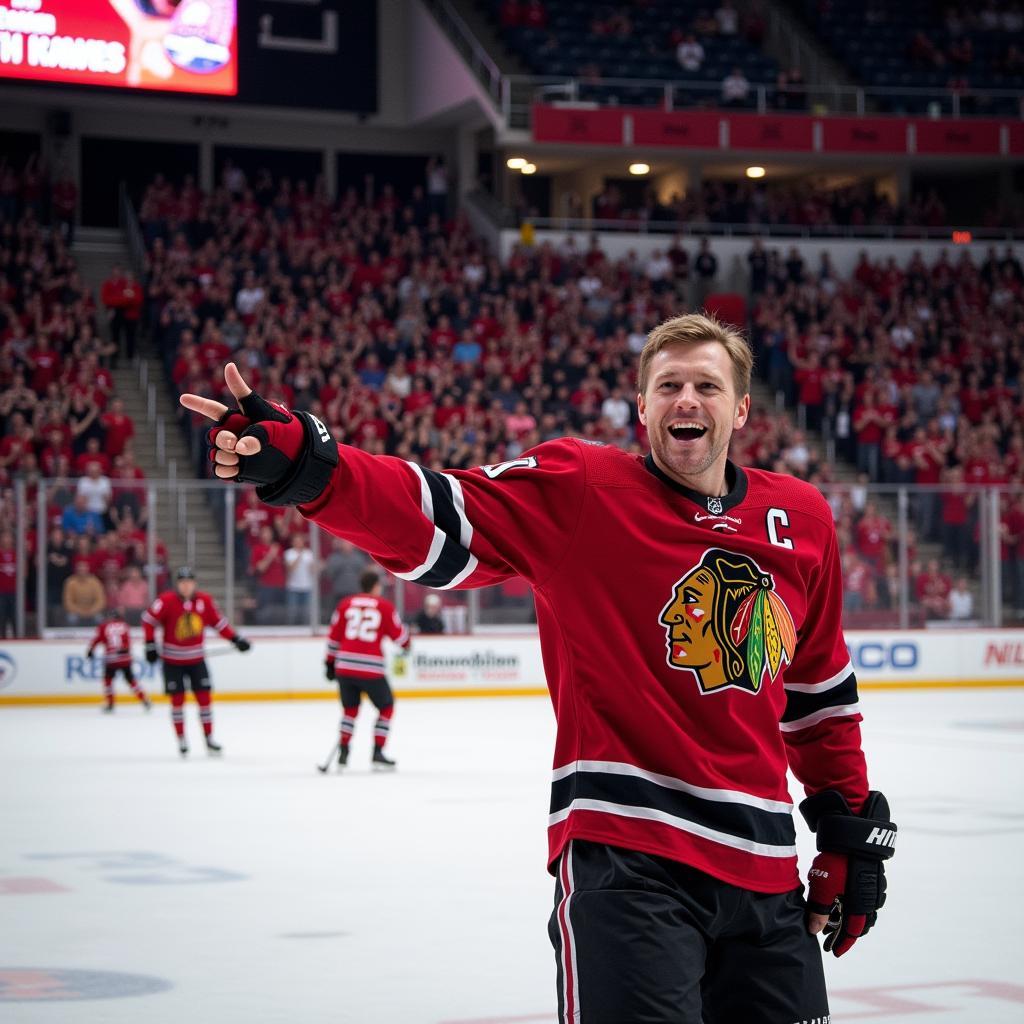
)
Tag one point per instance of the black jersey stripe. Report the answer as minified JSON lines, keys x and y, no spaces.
{"x":450,"y":563}
{"x":804,"y":705}
{"x":446,"y":516}
{"x":742,"y":821}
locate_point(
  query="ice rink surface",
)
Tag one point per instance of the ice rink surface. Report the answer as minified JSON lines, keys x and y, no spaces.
{"x":137,"y":887}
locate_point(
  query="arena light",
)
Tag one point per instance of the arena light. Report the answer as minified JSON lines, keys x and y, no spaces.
{"x":515,"y":163}
{"x":528,"y":169}
{"x":755,"y":172}
{"x":639,"y":168}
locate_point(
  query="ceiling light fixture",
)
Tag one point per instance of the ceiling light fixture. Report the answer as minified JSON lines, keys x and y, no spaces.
{"x":755,"y":172}
{"x":639,"y":168}
{"x":515,"y":163}
{"x":528,"y":169}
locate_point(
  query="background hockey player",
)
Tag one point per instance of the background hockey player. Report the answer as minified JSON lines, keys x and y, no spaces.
{"x":114,"y":636}
{"x":689,"y":617}
{"x":183,"y":614}
{"x":355,"y":660}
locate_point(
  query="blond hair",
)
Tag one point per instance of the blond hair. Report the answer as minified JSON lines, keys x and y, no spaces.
{"x":691,"y":329}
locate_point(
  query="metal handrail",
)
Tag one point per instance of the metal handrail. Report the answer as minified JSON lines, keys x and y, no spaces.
{"x":129,"y":224}
{"x":691,"y":228}
{"x":479,"y":60}
{"x":571,"y":88}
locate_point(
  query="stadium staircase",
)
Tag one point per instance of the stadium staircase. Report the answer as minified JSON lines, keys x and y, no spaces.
{"x":789,"y":40}
{"x":186,"y":522}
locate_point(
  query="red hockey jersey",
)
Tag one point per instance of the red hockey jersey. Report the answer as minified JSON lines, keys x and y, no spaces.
{"x":114,"y":636}
{"x":184,"y":623}
{"x":359,"y":626}
{"x":692,"y":644}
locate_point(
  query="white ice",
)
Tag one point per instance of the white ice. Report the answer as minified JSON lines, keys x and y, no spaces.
{"x":261,"y":891}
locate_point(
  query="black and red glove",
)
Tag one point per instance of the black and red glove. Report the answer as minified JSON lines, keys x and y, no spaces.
{"x":297,"y":453}
{"x":847,"y":878}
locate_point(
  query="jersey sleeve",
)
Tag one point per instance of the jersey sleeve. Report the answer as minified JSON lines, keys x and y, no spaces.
{"x":821,"y":722}
{"x":151,"y":619}
{"x":334,"y":633}
{"x":215,"y":620}
{"x":460,"y":528}
{"x":97,"y":639}
{"x":395,"y":629}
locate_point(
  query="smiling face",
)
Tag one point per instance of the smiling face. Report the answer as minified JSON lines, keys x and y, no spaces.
{"x":690,"y":409}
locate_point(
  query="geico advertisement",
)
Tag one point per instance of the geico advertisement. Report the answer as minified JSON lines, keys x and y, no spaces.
{"x":171,"y":45}
{"x":295,"y":666}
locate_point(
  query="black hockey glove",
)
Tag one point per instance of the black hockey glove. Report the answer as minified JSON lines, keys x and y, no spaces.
{"x":847,"y":878}
{"x":329,"y":669}
{"x":297,"y":455}
{"x":151,"y":655}
{"x":241,"y":643}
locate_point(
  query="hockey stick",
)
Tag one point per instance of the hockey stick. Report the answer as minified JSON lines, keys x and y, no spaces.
{"x":322,"y":768}
{"x":216,"y":652}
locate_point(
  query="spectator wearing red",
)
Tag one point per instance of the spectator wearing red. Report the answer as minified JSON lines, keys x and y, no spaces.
{"x":874,"y":531}
{"x":8,"y":585}
{"x":118,"y":426}
{"x":266,"y":560}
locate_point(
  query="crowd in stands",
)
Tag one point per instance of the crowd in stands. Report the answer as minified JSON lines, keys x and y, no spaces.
{"x":61,"y":418}
{"x":407,"y":337}
{"x":915,"y":374}
{"x":691,"y":44}
{"x":955,"y":49}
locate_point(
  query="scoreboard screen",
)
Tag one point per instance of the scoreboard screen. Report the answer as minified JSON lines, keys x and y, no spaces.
{"x":188,"y":46}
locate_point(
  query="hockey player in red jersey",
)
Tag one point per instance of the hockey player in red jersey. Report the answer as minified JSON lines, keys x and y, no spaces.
{"x":113,"y":634}
{"x":183,"y":614}
{"x":355,"y":660}
{"x":689,"y":615}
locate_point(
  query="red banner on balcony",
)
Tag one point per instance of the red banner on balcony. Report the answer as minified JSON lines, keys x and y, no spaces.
{"x":952,"y":138}
{"x":1016,"y":139}
{"x":764,"y":131}
{"x":658,"y":128}
{"x":574,"y":124}
{"x":863,"y":135}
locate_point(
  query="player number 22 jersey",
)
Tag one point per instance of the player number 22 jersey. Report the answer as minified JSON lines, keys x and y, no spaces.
{"x":359,"y":626}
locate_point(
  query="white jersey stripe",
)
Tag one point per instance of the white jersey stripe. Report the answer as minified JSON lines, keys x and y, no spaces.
{"x":826,"y":684}
{"x":459,"y":500}
{"x":570,"y":978}
{"x":436,"y":547}
{"x":727,"y":796}
{"x":841,"y":711}
{"x":438,"y":541}
{"x":682,"y":824}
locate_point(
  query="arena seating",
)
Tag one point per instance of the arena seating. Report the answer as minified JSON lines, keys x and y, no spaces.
{"x":408,"y":338}
{"x":59,"y":414}
{"x":595,"y":42}
{"x":906,"y":46}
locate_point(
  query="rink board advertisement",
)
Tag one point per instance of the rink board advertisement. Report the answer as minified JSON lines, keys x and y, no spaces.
{"x":280,"y":668}
{"x":166,"y":45}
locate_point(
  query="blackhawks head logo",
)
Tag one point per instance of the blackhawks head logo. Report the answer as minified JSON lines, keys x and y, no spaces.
{"x":726,"y":624}
{"x":189,"y":624}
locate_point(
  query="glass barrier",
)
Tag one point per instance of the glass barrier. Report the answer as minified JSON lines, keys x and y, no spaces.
{"x":913,"y":556}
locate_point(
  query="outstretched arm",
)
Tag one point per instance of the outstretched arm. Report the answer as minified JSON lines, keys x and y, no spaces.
{"x":459,"y":528}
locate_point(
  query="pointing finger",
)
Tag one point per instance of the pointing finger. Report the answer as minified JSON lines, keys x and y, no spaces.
{"x":208,"y":407}
{"x":234,"y":381}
